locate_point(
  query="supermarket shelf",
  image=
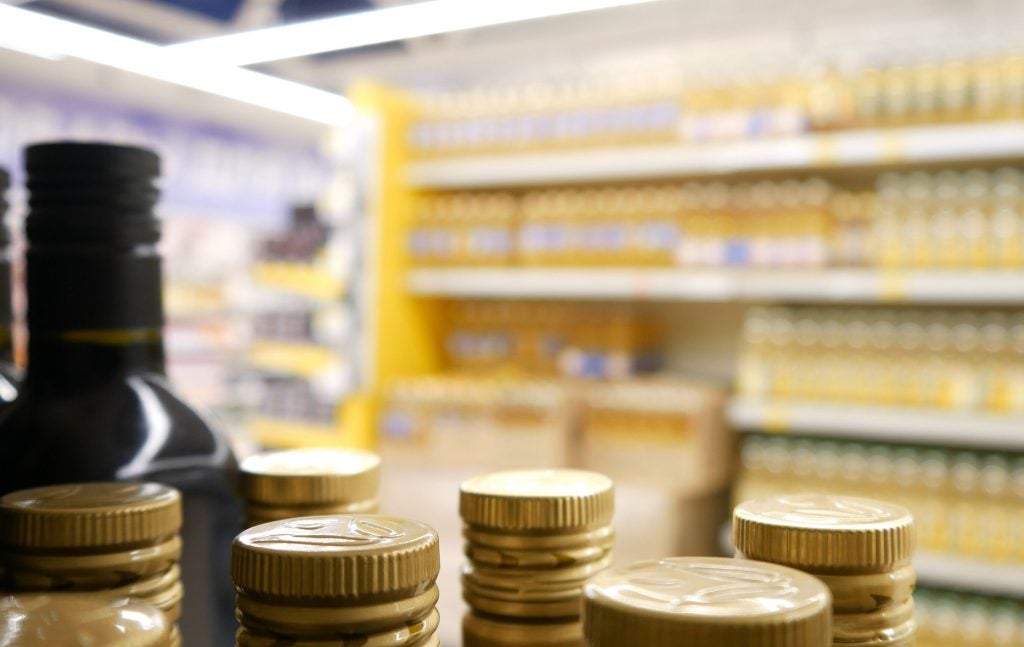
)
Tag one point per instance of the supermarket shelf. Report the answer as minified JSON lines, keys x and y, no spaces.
{"x":946,"y":571}
{"x":950,"y":287}
{"x":946,"y":143}
{"x":900,"y":425}
{"x":953,"y":572}
{"x":294,"y":358}
{"x":286,"y":434}
{"x":301,"y":279}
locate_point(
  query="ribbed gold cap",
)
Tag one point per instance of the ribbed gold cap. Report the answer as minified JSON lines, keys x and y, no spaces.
{"x":703,"y":601}
{"x":89,"y":515}
{"x":537,"y":500}
{"x":73,"y":620}
{"x":358,"y":556}
{"x":314,"y":476}
{"x":481,"y":631}
{"x":824,"y":533}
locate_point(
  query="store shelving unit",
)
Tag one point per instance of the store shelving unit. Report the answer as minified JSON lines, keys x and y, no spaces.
{"x":962,"y":574}
{"x":874,"y":147}
{"x":896,"y":424}
{"x":947,"y":287}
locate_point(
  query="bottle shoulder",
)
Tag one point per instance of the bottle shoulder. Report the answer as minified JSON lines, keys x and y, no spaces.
{"x":117,"y":429}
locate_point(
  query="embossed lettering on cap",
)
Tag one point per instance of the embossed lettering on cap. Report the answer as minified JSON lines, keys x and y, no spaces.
{"x":702,"y":601}
{"x":712,"y":588}
{"x":341,"y":531}
{"x":91,"y":495}
{"x":824,"y":509}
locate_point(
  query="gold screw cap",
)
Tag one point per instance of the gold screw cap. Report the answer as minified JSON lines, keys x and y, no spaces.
{"x":537,"y":500}
{"x":358,"y":556}
{"x":89,"y":515}
{"x":825,"y":533}
{"x":73,"y":620}
{"x":313,"y":476}
{"x":701,"y":601}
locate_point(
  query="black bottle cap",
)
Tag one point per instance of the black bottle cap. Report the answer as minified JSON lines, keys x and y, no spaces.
{"x":91,"y":260}
{"x":85,"y":192}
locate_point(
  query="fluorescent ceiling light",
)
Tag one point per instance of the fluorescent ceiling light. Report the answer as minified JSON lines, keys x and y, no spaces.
{"x":32,"y":32}
{"x":381,"y":26}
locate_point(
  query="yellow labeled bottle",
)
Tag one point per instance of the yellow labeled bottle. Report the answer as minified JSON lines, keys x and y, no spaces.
{"x":364,"y":580}
{"x":115,"y":539}
{"x":860,"y":548}
{"x":706,"y":602}
{"x":533,"y":537}
{"x":80,"y":620}
{"x":309,"y":482}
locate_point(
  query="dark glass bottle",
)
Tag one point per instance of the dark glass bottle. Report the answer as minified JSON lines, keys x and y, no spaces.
{"x":9,"y":375}
{"x":95,"y":404}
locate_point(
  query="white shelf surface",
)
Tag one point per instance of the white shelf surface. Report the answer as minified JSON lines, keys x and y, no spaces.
{"x":898,"y":425}
{"x":922,"y":144}
{"x":948,"y":287}
{"x":940,"y":571}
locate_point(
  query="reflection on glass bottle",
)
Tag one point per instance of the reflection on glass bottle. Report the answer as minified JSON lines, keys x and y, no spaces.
{"x":95,"y":404}
{"x":9,"y":374}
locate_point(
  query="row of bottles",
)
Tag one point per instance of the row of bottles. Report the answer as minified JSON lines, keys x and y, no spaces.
{"x":972,"y":218}
{"x":964,"y":502}
{"x":950,"y":619}
{"x":662,"y":106}
{"x":573,"y":340}
{"x":965,"y":361}
{"x":946,"y":219}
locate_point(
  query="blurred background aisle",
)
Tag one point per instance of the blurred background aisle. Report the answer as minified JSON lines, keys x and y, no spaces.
{"x":713,"y":250}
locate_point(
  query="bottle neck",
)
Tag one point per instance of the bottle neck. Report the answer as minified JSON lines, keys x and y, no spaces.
{"x":95,"y":312}
{"x":91,"y":356}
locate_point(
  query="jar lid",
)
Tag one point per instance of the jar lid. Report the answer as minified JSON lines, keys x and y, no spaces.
{"x":357,"y":556}
{"x":311,"y":476}
{"x":537,"y":500}
{"x":819,"y":532}
{"x":79,"y":620}
{"x":700,"y":601}
{"x":89,"y":515}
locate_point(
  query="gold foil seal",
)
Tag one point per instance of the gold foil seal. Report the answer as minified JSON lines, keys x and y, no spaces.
{"x":336,"y":557}
{"x":89,"y":515}
{"x":824,"y":533}
{"x":74,"y":620}
{"x":310,"y":477}
{"x":537,"y":500}
{"x":703,"y":601}
{"x":481,"y":631}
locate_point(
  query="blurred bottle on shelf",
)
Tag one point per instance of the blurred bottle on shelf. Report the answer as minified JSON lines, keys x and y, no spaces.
{"x":929,"y":359}
{"x":964,"y":502}
{"x":952,"y":619}
{"x":659,"y":106}
{"x":577,"y":340}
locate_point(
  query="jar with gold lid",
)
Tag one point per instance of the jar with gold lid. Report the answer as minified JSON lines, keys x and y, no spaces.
{"x":309,"y":482}
{"x":533,"y":537}
{"x":364,"y":580}
{"x":706,"y":602}
{"x":860,"y":548}
{"x":120,"y":539}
